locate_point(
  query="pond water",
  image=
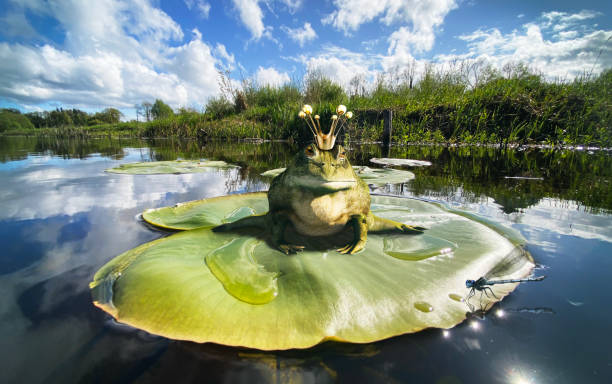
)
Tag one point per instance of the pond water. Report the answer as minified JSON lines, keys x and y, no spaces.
{"x":63,"y":217}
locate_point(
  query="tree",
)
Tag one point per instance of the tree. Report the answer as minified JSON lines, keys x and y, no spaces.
{"x":161,"y":110}
{"x":79,"y":118}
{"x":145,"y":110}
{"x":112,"y":115}
{"x":357,"y":84}
{"x":59,"y":118}
{"x":321,"y":90}
{"x":37,"y":118}
{"x":10,"y":119}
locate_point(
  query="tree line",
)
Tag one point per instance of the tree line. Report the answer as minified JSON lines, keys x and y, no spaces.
{"x":12,"y":118}
{"x":467,"y":103}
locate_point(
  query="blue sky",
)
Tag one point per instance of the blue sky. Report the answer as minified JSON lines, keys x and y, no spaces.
{"x":118,"y":53}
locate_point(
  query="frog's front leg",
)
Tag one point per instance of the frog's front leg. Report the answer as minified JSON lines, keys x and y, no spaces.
{"x":278,"y":222}
{"x":379,"y":224}
{"x":360,"y":231}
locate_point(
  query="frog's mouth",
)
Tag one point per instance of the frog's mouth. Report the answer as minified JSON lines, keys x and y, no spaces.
{"x":324,"y":186}
{"x":338,"y":185}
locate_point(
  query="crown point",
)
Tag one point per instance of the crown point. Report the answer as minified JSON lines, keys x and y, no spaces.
{"x":349,"y":114}
{"x":307,"y":109}
{"x":341,"y":109}
{"x":301,"y":114}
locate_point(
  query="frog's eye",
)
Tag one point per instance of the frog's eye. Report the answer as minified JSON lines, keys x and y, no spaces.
{"x":342,"y":156}
{"x":309,"y":151}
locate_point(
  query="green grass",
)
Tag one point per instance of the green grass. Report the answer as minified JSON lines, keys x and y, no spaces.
{"x":442,"y":107}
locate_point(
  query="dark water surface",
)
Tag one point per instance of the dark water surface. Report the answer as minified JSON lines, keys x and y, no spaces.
{"x":62,"y":218}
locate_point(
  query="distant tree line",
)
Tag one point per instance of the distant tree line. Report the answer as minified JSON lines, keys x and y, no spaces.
{"x":468,"y":102}
{"x":11,"y":118}
{"x":155,"y":111}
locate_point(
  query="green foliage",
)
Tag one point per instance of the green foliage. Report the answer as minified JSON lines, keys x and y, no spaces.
{"x":109,"y":115}
{"x":490,"y":107}
{"x":469,"y":103}
{"x":321,"y":90}
{"x":161,"y":110}
{"x":219,"y":107}
{"x":13,"y":119}
{"x":240,"y":102}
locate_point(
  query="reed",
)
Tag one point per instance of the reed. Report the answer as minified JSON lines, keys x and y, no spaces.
{"x":457,"y":105}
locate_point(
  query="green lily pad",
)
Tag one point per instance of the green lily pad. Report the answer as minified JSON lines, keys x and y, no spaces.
{"x":208,"y":212}
{"x":400,"y":162}
{"x":382,"y":176}
{"x":375,"y":176}
{"x":169,"y":167}
{"x":232,"y":288}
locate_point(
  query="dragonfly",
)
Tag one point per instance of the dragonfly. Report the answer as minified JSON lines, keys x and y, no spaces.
{"x":483,"y":285}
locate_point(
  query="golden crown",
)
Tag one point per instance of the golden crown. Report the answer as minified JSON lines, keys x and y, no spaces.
{"x":325,"y":141}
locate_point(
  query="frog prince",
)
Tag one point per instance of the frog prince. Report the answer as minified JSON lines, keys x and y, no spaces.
{"x":320,"y":194}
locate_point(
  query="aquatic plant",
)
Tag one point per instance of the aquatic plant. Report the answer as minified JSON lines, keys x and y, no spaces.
{"x":514,"y":106}
{"x":233,"y":288}
{"x":169,"y":167}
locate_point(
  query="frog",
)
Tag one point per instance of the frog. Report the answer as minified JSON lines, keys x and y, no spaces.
{"x":319,"y":194}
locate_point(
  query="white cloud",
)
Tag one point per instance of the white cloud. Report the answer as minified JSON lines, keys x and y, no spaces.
{"x":251,"y":16}
{"x":563,"y":20}
{"x":271,"y":77}
{"x":301,"y":35}
{"x":565,"y":54}
{"x":341,"y":65}
{"x":293,"y":5}
{"x":115,"y":54}
{"x":204,"y":9}
{"x":418,"y":21}
{"x":16,"y":24}
{"x":567,"y":35}
{"x":202,"y":6}
{"x":422,"y":17}
{"x":221,"y":53}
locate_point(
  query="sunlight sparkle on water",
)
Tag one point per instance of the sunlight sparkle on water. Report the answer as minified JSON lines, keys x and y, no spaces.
{"x":518,"y":375}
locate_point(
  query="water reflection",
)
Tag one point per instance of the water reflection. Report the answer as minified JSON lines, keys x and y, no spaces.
{"x":62,"y":218}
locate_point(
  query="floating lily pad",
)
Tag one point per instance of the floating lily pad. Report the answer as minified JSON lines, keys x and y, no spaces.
{"x":383,"y":176}
{"x":375,"y":176}
{"x":208,"y":212}
{"x":170,"y":167}
{"x":232,"y":288}
{"x":400,"y":162}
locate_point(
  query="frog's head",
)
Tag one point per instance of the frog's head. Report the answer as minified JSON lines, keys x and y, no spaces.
{"x":325,"y":170}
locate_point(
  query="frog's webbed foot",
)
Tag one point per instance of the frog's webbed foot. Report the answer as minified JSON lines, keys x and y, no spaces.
{"x":352,"y":247}
{"x":379,"y":224}
{"x":288,"y":249}
{"x":360,"y":231}
{"x":410,"y":228}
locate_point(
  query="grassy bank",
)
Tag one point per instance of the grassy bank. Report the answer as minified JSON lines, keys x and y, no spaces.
{"x":516,"y":106}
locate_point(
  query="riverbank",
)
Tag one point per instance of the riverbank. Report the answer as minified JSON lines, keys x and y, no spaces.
{"x":515,"y":108}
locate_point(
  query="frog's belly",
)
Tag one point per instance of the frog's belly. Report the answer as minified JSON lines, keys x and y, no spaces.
{"x":322,"y":216}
